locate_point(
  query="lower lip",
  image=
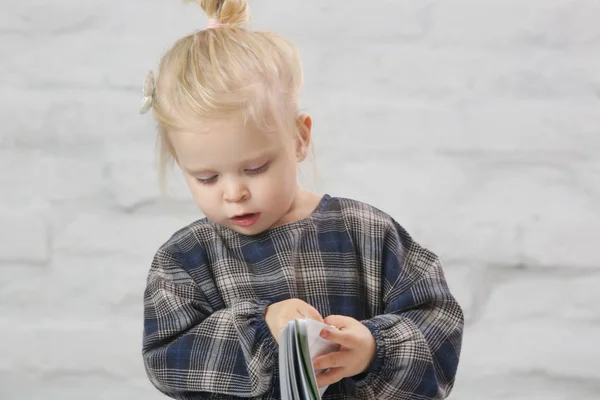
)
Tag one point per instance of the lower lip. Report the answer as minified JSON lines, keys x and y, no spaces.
{"x":246,"y":220}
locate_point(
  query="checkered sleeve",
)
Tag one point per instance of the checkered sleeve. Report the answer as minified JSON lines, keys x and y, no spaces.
{"x":191,"y":351}
{"x":419,"y":336}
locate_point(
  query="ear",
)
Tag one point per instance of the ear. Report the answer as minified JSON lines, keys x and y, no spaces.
{"x":304,"y":124}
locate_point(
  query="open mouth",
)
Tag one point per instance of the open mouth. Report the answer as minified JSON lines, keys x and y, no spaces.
{"x":246,"y":219}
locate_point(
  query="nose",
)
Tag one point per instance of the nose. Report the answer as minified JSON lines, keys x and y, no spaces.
{"x":235,"y":191}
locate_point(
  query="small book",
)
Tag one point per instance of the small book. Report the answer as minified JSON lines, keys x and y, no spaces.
{"x":300,"y":343}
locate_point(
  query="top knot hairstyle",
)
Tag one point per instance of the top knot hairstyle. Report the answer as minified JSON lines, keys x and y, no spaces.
{"x":226,"y":71}
{"x":228,"y":13}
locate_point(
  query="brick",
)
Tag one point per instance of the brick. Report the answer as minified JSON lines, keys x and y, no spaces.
{"x":132,"y":176}
{"x":523,"y":387}
{"x":27,"y":385}
{"x":29,"y":192}
{"x":129,"y":236}
{"x":45,"y":19}
{"x":93,"y":32}
{"x":515,"y":128}
{"x":497,"y":210}
{"x":587,"y":178}
{"x":77,"y":177}
{"x":514,"y":25}
{"x":69,"y":119}
{"x":533,"y":126}
{"x":361,"y":21}
{"x":52,"y":178}
{"x":24,"y":238}
{"x":465,"y":288}
{"x":104,"y":286}
{"x":106,"y":347}
{"x":535,"y":75}
{"x":459,"y":77}
{"x":21,"y":288}
{"x":551,"y":346}
{"x":534,"y":296}
{"x":560,"y":241}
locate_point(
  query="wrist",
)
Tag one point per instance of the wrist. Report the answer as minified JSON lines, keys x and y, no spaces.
{"x":377,"y":358}
{"x":372,"y":352}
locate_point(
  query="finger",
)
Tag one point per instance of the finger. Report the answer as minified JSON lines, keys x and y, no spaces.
{"x":330,"y":377}
{"x":337,"y":359}
{"x":344,"y":338}
{"x":340,"y":321}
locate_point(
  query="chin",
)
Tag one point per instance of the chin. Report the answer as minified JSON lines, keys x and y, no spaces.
{"x":251,"y":230}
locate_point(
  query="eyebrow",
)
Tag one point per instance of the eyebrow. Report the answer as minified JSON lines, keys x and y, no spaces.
{"x":200,"y":170}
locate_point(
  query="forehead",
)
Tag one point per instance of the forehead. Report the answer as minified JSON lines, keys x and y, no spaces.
{"x":220,"y":144}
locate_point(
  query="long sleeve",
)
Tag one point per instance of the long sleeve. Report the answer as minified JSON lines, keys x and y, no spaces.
{"x":191,"y":351}
{"x":419,"y":335}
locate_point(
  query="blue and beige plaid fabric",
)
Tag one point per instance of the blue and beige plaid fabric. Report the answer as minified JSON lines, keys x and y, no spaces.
{"x":205,"y":335}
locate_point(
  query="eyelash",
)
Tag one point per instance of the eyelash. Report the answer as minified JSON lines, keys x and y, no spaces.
{"x":254,"y":171}
{"x":258,"y":170}
{"x":208,"y":181}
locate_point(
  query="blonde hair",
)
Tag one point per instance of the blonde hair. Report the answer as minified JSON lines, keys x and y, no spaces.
{"x":224,"y":70}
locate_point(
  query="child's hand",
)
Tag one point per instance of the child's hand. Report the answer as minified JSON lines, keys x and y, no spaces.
{"x":356,"y":353}
{"x":279,"y":314}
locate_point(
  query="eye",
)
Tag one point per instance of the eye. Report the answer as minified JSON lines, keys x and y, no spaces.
{"x":255,"y":171}
{"x":207,"y":181}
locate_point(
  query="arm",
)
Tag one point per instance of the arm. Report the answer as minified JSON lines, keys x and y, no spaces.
{"x":192,"y":351}
{"x":419,"y":336}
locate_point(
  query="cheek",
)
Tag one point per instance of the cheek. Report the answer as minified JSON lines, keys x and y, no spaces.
{"x":290,"y":173}
{"x":199,"y":193}
{"x":281,"y":184}
{"x":192,"y":184}
{"x":284,"y":176}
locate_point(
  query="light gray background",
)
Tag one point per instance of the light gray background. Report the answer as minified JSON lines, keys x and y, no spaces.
{"x":475,"y":123}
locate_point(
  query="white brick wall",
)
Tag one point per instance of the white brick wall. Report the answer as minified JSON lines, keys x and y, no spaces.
{"x":475,"y":123}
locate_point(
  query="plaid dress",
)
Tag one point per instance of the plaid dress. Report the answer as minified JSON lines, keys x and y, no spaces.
{"x":205,"y":335}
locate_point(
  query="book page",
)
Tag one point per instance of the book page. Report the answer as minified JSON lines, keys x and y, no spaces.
{"x":319,"y":346}
{"x":284,"y":370}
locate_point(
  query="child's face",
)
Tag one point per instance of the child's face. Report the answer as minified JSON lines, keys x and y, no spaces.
{"x":234,"y":170}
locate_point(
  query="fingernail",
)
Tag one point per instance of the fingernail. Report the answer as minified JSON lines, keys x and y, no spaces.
{"x":325,"y":333}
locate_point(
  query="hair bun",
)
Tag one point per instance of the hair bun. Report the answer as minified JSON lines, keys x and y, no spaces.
{"x":233,"y":13}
